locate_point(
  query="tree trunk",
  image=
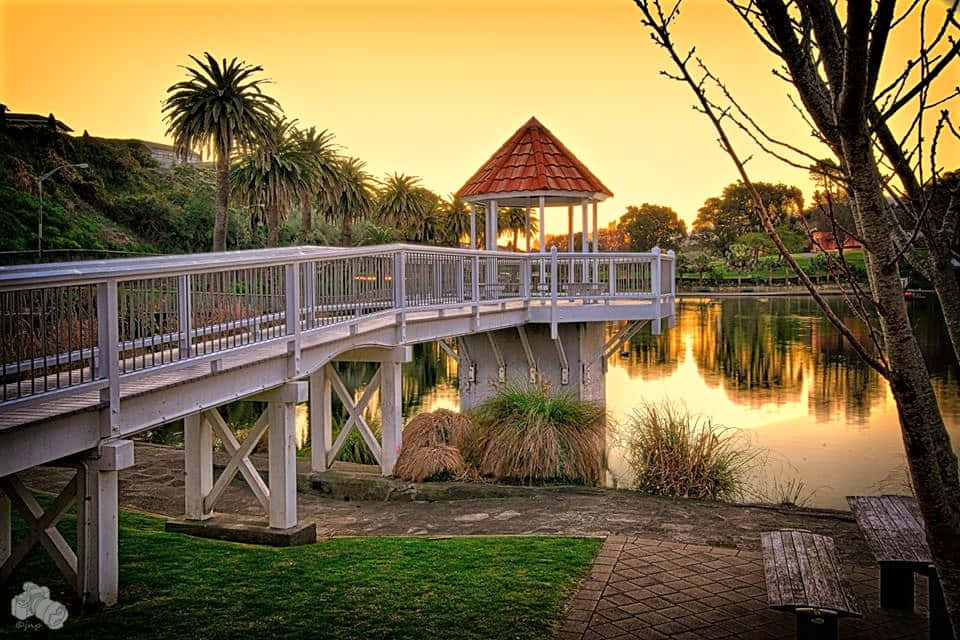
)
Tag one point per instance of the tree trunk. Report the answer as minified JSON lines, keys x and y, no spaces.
{"x":933,"y":465}
{"x":347,"y":232}
{"x":306,"y":217}
{"x":273,"y":226}
{"x":944,"y":281}
{"x":223,"y":199}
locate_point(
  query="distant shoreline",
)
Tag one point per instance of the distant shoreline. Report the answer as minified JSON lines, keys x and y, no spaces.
{"x":793,"y":291}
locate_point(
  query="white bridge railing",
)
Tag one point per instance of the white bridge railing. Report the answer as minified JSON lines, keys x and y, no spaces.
{"x":68,"y":327}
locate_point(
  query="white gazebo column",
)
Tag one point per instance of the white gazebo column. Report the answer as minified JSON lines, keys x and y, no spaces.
{"x":584,"y":243}
{"x":570,"y":229}
{"x":596,"y":245}
{"x":494,"y":226}
{"x":543,"y":244}
{"x":527,"y":229}
{"x":473,"y":226}
{"x":596,"y":231}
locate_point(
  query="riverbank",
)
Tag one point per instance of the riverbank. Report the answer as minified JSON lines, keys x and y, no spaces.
{"x":155,"y":485}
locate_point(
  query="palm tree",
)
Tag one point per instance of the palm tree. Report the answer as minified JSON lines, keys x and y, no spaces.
{"x":399,"y":199}
{"x":324,"y":164}
{"x":278,"y":173}
{"x":515,"y":219}
{"x":455,"y":220}
{"x":220,"y":106}
{"x":352,"y":197}
{"x":425,"y":226}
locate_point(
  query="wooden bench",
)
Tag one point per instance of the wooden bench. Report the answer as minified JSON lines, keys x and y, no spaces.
{"x":893,"y":529}
{"x":804,"y":577}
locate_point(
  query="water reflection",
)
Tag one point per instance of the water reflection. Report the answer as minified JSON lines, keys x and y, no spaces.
{"x":777,"y":367}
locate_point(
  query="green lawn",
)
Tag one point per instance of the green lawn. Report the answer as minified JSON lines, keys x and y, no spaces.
{"x":175,"y":586}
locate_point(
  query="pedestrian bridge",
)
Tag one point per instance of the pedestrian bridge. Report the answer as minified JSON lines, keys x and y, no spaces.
{"x":95,"y":352}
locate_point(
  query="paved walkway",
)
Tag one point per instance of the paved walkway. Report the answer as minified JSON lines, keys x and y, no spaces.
{"x":644,"y":589}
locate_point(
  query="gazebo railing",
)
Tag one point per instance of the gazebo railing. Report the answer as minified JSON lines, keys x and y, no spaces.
{"x":67,"y":327}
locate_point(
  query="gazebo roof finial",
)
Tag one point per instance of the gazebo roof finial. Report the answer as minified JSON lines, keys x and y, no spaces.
{"x":533,"y":162}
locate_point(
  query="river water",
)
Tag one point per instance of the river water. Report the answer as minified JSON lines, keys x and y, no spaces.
{"x":773,"y":367}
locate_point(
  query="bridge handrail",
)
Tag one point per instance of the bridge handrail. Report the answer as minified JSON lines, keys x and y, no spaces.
{"x":168,"y":310}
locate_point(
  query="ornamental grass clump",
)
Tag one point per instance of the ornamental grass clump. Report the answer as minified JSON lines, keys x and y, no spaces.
{"x":431,"y":446}
{"x":531,"y":433}
{"x":678,"y":454}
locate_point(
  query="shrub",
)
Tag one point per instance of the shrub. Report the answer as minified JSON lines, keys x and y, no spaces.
{"x":531,"y":433}
{"x":677,"y":454}
{"x":431,"y":443}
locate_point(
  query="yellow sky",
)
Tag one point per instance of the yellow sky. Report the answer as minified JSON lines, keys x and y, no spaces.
{"x":426,"y":87}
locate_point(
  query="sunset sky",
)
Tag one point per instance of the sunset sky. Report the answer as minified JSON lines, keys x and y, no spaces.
{"x":425,"y":87}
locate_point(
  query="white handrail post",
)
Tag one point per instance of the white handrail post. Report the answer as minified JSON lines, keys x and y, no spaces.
{"x":108,"y":365}
{"x":655,"y":288}
{"x":310,"y":293}
{"x":461,"y":294}
{"x":673,"y":271}
{"x":184,"y":315}
{"x":292,"y":316}
{"x":553,"y":292}
{"x":400,"y":291}
{"x":612,"y":276}
{"x":525,"y":276}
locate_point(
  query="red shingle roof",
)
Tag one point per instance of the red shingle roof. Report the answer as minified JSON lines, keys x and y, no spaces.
{"x":533,"y":159}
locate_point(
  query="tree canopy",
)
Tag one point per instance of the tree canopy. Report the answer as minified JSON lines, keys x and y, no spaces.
{"x":721,"y":220}
{"x":652,"y":225}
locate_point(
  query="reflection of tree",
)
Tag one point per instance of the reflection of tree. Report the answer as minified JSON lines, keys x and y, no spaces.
{"x":760,"y":351}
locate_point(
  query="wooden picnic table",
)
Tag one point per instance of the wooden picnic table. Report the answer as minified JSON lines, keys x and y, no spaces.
{"x":893,"y":528}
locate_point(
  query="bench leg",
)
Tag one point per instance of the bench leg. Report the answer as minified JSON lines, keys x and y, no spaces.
{"x":896,"y":588}
{"x":939,"y":621}
{"x":812,"y":626}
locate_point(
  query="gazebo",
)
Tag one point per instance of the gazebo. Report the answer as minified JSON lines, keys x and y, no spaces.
{"x":533,"y":168}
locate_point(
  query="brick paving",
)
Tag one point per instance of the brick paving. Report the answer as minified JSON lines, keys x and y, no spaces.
{"x":644,"y":589}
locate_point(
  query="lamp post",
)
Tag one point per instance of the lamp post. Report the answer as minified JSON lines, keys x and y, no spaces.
{"x":81,"y":165}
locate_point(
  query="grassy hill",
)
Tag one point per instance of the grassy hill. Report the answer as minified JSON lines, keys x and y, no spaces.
{"x":124,"y":201}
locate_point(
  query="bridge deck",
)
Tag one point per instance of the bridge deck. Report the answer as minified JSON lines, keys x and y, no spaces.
{"x":189,"y":333}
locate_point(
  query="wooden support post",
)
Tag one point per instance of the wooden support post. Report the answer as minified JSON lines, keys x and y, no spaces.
{"x":97,"y":535}
{"x":282,"y":472}
{"x":321,"y":419}
{"x":570,"y":229}
{"x":198,"y":466}
{"x":391,"y":411}
{"x":492,"y":211}
{"x":896,"y":588}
